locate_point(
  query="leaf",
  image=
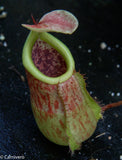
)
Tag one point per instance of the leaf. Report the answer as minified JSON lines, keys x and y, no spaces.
{"x":55,"y":21}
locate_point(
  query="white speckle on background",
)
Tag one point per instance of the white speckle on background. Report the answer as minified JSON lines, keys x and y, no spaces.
{"x":34,"y":139}
{"x":26,"y":93}
{"x":2,"y":37}
{"x":116,"y":115}
{"x":3,"y":15}
{"x":118,"y":94}
{"x":120,"y":157}
{"x":25,"y":153}
{"x":8,"y":50}
{"x":109,"y":125}
{"x":89,"y":50}
{"x":109,"y":48}
{"x":79,"y":153}
{"x":103,"y":45}
{"x":90,"y":63}
{"x":91,"y":92}
{"x":109,"y":137}
{"x":1,"y":8}
{"x":9,"y":59}
{"x":106,"y":76}
{"x":112,"y":94}
{"x":118,"y":65}
{"x":5,"y":44}
{"x":117,"y":45}
{"x":92,"y":140}
{"x":80,"y":47}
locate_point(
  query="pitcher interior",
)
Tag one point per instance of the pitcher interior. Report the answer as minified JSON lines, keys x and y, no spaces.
{"x":47,"y":59}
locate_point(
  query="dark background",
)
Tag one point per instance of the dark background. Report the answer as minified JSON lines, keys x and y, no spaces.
{"x":99,"y":21}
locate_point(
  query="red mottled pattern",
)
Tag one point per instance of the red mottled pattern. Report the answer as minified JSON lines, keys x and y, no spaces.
{"x":47,"y":105}
{"x":47,"y":59}
{"x":80,"y":120}
{"x":49,"y":101}
{"x":60,"y":110}
{"x":44,"y":96}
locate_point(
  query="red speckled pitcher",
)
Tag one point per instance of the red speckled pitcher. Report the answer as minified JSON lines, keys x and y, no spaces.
{"x":63,"y":109}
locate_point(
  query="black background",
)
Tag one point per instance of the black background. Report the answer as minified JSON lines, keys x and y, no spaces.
{"x":99,"y":21}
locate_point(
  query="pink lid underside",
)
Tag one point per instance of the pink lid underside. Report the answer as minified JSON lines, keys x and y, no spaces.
{"x":55,"y":21}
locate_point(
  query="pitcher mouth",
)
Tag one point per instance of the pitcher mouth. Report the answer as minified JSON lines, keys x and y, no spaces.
{"x":47,"y":59}
{"x":32,"y":67}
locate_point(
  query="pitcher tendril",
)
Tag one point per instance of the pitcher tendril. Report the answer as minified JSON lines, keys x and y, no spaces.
{"x":111,"y":105}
